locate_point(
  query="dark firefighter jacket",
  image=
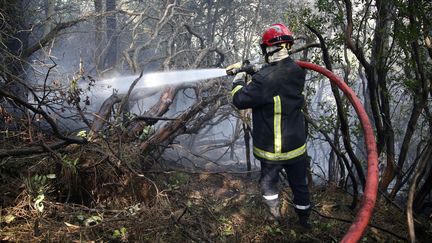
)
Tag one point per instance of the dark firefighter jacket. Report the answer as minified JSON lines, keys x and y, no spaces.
{"x":275,"y":96}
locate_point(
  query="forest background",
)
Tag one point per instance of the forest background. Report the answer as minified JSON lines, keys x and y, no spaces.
{"x":67,"y":141}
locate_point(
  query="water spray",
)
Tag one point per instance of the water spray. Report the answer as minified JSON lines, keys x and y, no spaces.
{"x":160,"y":79}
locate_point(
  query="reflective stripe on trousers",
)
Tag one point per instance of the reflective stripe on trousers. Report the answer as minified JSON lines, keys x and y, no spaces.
{"x":301,"y":207}
{"x":271,"y":197}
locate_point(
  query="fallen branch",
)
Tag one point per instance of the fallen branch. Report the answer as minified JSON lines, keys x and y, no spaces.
{"x":158,"y":109}
{"x":169,"y":129}
{"x":32,"y":150}
{"x":102,"y":116}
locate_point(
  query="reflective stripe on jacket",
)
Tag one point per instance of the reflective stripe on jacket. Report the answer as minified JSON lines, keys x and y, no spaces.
{"x":275,"y":96}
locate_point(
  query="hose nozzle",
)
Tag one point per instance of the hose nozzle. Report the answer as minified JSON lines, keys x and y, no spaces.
{"x":244,"y":66}
{"x":233,"y":69}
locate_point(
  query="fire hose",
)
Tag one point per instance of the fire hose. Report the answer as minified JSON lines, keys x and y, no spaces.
{"x":360,"y":223}
{"x":361,"y":220}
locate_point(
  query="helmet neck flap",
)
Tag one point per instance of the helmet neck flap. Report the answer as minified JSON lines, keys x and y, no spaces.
{"x":276,"y":53}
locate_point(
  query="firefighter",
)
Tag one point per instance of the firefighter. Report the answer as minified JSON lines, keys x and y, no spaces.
{"x":279,"y":133}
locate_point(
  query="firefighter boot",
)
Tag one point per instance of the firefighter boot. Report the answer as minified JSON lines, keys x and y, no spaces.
{"x":273,"y":207}
{"x":303,"y":216}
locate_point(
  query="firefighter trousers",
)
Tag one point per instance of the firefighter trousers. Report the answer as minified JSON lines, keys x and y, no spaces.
{"x":296,"y":172}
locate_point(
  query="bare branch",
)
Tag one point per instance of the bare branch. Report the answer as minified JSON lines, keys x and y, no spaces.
{"x":348,"y":35}
{"x":50,"y":121}
{"x":305,"y":47}
{"x":194,"y":33}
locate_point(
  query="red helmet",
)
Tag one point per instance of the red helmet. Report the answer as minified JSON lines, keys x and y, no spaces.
{"x":276,"y":34}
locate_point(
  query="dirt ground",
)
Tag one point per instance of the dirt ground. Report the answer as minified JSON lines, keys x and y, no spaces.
{"x":187,"y":207}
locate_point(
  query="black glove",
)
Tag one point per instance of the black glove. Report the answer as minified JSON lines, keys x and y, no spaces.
{"x":239,"y":79}
{"x":251,"y":69}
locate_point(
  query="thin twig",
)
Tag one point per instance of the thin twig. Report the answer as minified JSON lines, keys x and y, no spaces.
{"x":370,"y":225}
{"x":143,"y":118}
{"x":125,"y":99}
{"x":201,"y":172}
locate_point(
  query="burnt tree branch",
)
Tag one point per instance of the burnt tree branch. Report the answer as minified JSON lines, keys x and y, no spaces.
{"x":32,"y":150}
{"x":370,"y":74}
{"x":196,"y":34}
{"x":51,"y":122}
{"x":171,"y":129}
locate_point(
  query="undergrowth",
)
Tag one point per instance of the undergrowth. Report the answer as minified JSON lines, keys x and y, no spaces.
{"x":87,"y":194}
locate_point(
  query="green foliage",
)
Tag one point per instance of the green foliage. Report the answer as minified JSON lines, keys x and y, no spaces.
{"x":74,"y":93}
{"x":325,"y":5}
{"x":297,"y":24}
{"x":177,"y":180}
{"x":147,"y":132}
{"x":327,"y":121}
{"x":293,"y":233}
{"x":181,"y":178}
{"x":89,"y":220}
{"x":330,"y":15}
{"x":412,"y":85}
{"x":38,"y":202}
{"x":356,"y":128}
{"x":327,"y":226}
{"x":119,"y":233}
{"x":70,"y":163}
{"x":274,"y":230}
{"x":82,"y":134}
{"x":38,"y":186}
{"x":226,"y":227}
{"x":134,"y":209}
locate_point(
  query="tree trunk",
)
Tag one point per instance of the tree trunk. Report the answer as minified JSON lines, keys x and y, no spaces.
{"x":344,"y":127}
{"x":377,"y":76}
{"x":111,"y":34}
{"x":49,"y":12}
{"x":247,"y":131}
{"x":420,"y":101}
{"x":98,"y":35}
{"x":423,"y":192}
{"x":13,"y":61}
{"x":419,"y":171}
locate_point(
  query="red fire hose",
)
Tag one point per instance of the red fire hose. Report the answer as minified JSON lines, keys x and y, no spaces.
{"x":358,"y":227}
